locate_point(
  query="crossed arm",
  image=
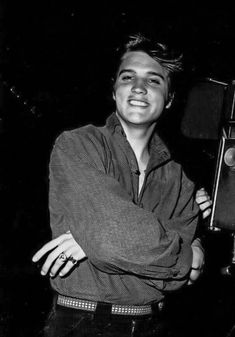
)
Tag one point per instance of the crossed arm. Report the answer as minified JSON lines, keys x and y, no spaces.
{"x":66,"y":244}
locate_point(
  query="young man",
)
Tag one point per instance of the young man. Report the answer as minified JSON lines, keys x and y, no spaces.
{"x":123,"y":213}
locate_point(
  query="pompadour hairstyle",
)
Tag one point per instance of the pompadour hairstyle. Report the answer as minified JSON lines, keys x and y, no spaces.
{"x":166,"y":57}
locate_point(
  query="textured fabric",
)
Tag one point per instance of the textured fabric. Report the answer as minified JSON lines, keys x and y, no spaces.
{"x":137,"y":246}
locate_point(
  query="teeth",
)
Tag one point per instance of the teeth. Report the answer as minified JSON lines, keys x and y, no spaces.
{"x":138,"y":103}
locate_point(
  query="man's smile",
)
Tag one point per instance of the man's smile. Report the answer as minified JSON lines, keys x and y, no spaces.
{"x":135,"y":102}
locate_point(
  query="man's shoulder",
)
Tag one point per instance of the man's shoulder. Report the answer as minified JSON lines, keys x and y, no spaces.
{"x":84,"y":133}
{"x":86,"y":140}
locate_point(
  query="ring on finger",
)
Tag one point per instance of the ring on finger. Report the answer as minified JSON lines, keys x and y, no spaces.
{"x":72,"y":259}
{"x":63,"y":257}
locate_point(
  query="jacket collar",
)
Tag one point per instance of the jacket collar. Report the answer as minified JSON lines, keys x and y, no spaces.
{"x":159,"y":153}
{"x":114,"y":124}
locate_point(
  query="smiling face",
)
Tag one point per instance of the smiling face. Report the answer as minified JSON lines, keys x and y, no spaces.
{"x":141,"y":89}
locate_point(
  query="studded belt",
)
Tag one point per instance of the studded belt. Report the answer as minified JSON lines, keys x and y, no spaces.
{"x":116,"y":309}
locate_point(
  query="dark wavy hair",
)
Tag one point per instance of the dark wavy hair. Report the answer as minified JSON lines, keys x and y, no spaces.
{"x":166,"y":57}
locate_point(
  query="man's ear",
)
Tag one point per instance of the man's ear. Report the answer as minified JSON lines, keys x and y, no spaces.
{"x":170,"y":100}
{"x":114,"y":97}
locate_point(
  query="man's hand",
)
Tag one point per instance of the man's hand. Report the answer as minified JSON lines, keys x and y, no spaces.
{"x":204,"y":202}
{"x":198,"y":261}
{"x":65,"y":252}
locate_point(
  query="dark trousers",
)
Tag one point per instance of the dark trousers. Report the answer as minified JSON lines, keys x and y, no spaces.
{"x":67,"y":322}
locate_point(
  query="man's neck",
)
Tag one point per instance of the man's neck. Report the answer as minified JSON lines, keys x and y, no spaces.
{"x":139,"y":137}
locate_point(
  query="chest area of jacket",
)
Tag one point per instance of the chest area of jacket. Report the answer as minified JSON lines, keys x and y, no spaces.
{"x":159,"y":183}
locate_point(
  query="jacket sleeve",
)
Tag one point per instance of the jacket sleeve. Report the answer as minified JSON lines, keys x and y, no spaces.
{"x":116,"y":235}
{"x":183,"y":207}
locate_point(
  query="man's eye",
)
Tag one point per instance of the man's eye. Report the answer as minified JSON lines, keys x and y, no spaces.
{"x":154,"y":80}
{"x":126,"y":78}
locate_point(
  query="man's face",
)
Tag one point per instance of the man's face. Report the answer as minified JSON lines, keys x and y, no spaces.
{"x":141,"y":89}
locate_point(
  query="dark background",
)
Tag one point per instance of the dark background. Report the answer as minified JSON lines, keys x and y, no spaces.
{"x":55,"y":67}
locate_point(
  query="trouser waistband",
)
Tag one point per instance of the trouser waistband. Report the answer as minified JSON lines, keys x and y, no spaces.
{"x":115,"y":309}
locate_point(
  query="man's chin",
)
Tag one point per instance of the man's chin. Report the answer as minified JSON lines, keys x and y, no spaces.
{"x":136,"y":119}
{"x":140,"y":122}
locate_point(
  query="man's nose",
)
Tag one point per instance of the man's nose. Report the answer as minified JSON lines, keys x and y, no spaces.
{"x":139,"y":87}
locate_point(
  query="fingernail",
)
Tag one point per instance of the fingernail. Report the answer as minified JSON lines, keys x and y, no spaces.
{"x":43,"y":273}
{"x":61,"y":274}
{"x":51,"y":275}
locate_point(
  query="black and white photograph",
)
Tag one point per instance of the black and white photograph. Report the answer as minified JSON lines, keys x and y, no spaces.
{"x":117,"y":170}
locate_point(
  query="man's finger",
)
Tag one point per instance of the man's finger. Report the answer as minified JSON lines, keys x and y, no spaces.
{"x":205,"y":205}
{"x":49,"y":246}
{"x":52,"y":259}
{"x":203,"y":199}
{"x":74,"y":254}
{"x":65,"y":264}
{"x":206,"y":213}
{"x":194,"y":274}
{"x":68,"y":266}
{"x":201,"y":191}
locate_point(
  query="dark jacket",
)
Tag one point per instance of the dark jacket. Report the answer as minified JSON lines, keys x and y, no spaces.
{"x":137,"y":246}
